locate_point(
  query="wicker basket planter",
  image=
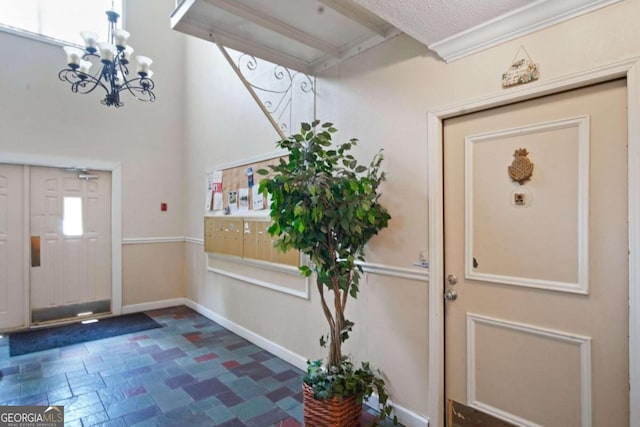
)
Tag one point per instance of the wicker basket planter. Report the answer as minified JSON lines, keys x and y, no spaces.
{"x":332,"y":412}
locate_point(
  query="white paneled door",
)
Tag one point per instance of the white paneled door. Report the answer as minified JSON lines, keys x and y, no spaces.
{"x":12,"y":244}
{"x":70,"y":220}
{"x":536,"y":262}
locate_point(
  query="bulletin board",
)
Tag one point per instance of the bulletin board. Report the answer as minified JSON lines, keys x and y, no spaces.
{"x":236,"y":178}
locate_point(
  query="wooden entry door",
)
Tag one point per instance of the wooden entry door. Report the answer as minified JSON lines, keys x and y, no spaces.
{"x":71,"y":220}
{"x":536,"y":324}
{"x":12,"y":244}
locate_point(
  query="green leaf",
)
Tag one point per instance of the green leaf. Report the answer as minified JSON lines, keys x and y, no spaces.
{"x":305,"y":270}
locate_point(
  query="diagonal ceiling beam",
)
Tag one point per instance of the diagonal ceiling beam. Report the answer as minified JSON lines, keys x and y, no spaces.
{"x":252,"y":92}
{"x":276,"y":26}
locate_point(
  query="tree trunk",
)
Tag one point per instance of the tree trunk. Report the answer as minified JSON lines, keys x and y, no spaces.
{"x":335,"y":351}
{"x":335,"y":346}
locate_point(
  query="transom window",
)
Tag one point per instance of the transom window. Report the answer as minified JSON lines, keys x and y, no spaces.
{"x":57,"y":20}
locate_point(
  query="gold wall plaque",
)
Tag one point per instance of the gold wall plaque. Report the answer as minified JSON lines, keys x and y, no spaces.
{"x":521,"y":168}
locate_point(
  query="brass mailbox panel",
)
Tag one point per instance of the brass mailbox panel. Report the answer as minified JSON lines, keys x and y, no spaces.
{"x":291,"y":257}
{"x":209,"y":236}
{"x":263,"y":242}
{"x":213,"y":237}
{"x":232,"y":240}
{"x":250,"y":240}
{"x":246,"y":238}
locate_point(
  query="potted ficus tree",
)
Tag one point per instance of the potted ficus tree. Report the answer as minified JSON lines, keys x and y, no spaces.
{"x":325,"y":205}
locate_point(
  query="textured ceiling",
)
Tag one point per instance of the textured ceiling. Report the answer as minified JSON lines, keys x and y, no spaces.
{"x":312,"y":35}
{"x":432,"y":21}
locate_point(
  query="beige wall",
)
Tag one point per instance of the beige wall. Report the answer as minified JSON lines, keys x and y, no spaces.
{"x":40,"y":116}
{"x":381,"y":97}
{"x":152,"y":272}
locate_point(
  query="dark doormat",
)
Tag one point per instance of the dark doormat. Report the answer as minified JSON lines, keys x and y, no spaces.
{"x":60,"y":336}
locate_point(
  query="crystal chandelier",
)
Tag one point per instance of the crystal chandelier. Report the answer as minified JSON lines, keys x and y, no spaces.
{"x":114,"y":58}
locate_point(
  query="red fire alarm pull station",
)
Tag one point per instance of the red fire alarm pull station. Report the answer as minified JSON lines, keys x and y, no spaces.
{"x":163,"y":207}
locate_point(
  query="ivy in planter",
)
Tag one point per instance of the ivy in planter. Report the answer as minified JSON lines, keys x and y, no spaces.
{"x":345,"y":380}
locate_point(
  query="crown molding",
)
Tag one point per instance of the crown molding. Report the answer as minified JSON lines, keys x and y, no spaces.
{"x":533,"y":17}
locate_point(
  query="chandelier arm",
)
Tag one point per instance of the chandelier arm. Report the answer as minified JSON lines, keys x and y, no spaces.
{"x":141,"y":88}
{"x":81,"y":82}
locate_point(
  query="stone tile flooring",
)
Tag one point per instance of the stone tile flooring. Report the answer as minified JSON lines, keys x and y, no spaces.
{"x":192,"y":372}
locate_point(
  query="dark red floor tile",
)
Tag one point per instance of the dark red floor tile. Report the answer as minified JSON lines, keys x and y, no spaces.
{"x":289,"y":422}
{"x":205,"y":357}
{"x":230,"y":364}
{"x":193,"y":336}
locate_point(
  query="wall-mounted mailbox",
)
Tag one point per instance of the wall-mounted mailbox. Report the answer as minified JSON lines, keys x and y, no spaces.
{"x":244,"y":237}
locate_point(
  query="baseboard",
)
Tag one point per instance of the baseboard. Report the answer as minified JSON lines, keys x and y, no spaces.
{"x":406,"y":417}
{"x":153,"y":305}
{"x":276,"y":349}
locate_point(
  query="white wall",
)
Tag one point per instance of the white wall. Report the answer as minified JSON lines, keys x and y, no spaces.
{"x":381,"y":97}
{"x":39,"y":115}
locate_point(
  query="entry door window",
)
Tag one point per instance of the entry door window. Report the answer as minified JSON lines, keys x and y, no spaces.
{"x":72,"y":217}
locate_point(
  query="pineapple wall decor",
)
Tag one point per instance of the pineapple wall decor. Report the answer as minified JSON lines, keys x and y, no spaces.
{"x":521,"y":168}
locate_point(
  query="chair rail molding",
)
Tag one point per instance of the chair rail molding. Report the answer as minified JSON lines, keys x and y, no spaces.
{"x":152,"y":240}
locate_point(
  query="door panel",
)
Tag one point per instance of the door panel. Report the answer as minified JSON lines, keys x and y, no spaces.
{"x":12,"y":284}
{"x":539,"y":332}
{"x":72,"y":218}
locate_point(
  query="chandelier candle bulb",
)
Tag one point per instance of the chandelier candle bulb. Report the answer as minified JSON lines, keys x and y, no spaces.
{"x":106,"y":52}
{"x":74,"y":55}
{"x":128,"y":51}
{"x":119,"y":78}
{"x":144,"y":64}
{"x":90,"y":41}
{"x":121,"y":37}
{"x":85,"y":66}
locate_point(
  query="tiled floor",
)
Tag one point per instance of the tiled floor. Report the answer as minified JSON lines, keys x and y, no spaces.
{"x":192,"y":372}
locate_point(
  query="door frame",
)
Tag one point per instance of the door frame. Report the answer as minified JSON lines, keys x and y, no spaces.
{"x":116,"y":215}
{"x":629,"y":68}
